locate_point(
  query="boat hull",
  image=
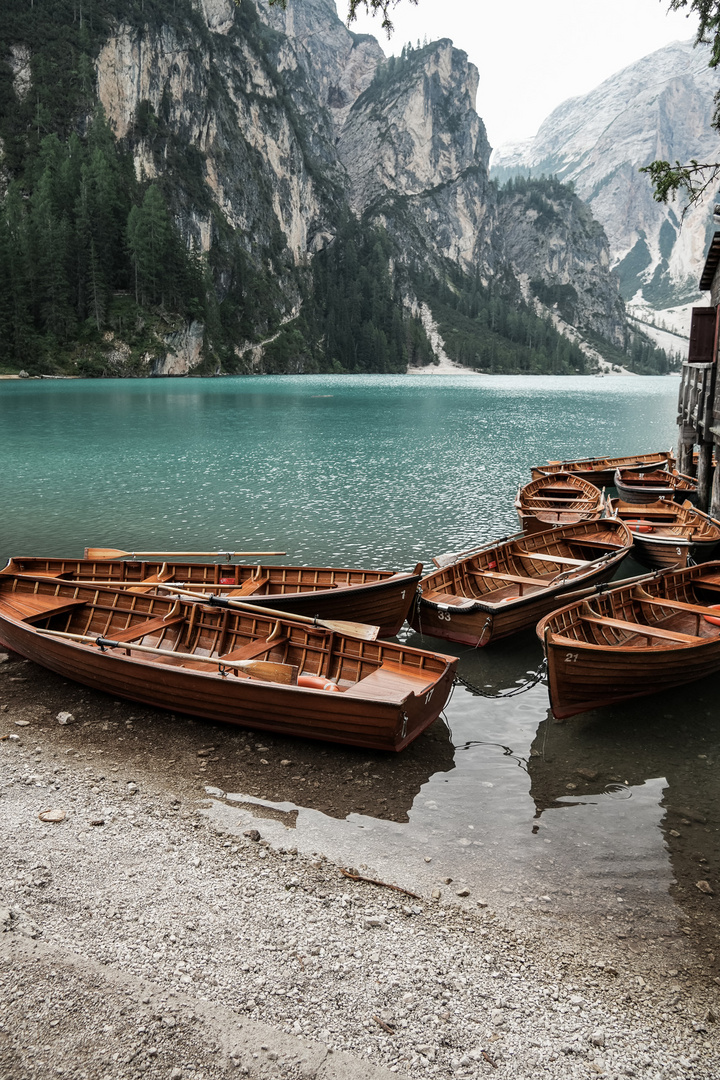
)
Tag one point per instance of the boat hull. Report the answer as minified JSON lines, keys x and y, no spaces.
{"x":583,"y":675}
{"x":643,"y":491}
{"x":380,"y":598}
{"x":448,"y":608}
{"x":482,"y":623}
{"x":363,"y":714}
{"x":671,"y":553}
{"x":601,"y":471}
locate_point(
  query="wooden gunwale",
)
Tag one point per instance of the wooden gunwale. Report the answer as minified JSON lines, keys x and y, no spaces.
{"x":386,"y":720}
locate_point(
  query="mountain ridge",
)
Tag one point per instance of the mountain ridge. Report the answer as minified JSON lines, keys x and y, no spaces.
{"x":314,"y":195}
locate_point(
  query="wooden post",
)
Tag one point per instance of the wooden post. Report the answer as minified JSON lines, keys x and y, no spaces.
{"x":686,"y":441}
{"x":704,"y":475}
{"x":715,"y":499}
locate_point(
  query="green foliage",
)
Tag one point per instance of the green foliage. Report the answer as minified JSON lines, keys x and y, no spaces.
{"x":73,"y":232}
{"x":484,"y":329}
{"x":357,"y":303}
{"x":638,"y":353}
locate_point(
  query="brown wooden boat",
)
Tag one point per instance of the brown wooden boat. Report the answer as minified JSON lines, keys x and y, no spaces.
{"x":225,"y":664}
{"x":560,"y":499}
{"x":508,"y":586}
{"x":381,"y":597}
{"x":636,"y":486}
{"x":666,"y":534}
{"x":601,"y":471}
{"x":638,"y":639}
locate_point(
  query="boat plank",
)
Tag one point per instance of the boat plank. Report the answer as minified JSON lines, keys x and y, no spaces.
{"x":641,"y":628}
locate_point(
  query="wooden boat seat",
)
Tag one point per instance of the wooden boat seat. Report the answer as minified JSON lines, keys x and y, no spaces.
{"x":391,"y":682}
{"x":148,"y":584}
{"x":712,"y":584}
{"x":249,"y":587}
{"x":607,"y":546}
{"x":32,"y":607}
{"x":676,"y":605}
{"x":510,"y":577}
{"x":252,"y":651}
{"x":437,"y":596}
{"x":554,"y":558}
{"x":642,"y":629}
{"x":149,"y":626}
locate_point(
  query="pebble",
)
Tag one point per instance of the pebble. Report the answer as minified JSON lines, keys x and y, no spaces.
{"x":22,"y":723}
{"x":65,"y":718}
{"x":54,"y":816}
{"x":315,"y":955}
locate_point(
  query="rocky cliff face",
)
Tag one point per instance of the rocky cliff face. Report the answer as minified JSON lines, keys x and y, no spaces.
{"x":660,"y":108}
{"x":269,"y":128}
{"x":416,"y":155}
{"x":225,"y":98}
{"x":561,"y":255}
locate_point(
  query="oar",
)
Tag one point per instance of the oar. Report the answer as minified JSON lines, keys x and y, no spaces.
{"x":260,"y":669}
{"x":115,"y":553}
{"x":340,"y":626}
{"x":351,"y":629}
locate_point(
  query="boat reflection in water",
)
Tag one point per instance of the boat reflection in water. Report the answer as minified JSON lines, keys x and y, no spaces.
{"x":607,"y":755}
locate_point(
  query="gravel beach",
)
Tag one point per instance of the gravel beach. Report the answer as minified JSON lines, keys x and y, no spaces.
{"x":147,"y":935}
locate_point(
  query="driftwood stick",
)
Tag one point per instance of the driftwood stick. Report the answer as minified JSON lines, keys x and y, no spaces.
{"x":386,"y":884}
{"x":383,"y":1025}
{"x":488,"y":1058}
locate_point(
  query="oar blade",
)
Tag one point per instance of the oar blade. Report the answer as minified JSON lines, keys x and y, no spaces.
{"x":364,"y":631}
{"x":103,"y":553}
{"x":270,"y":672}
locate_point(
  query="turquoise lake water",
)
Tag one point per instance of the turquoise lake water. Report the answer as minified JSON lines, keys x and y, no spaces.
{"x":385,"y":471}
{"x":378,"y":470}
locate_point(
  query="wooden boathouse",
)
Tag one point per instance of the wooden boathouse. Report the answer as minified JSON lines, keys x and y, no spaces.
{"x":698,"y":415}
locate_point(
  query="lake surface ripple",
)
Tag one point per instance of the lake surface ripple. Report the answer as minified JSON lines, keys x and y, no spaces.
{"x":613,"y":816}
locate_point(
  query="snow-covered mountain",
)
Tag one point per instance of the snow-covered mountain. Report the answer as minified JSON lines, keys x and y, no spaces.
{"x":658,"y":108}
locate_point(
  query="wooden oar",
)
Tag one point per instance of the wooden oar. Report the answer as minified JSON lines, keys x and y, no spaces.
{"x":366,"y":631}
{"x":259,"y":669}
{"x":115,"y":553}
{"x":352,"y":629}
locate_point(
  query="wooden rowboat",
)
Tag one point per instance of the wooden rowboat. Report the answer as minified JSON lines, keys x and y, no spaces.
{"x":666,"y":534}
{"x":636,"y":486}
{"x":508,"y":586}
{"x":601,"y":471}
{"x":268,"y":673}
{"x":381,"y":597}
{"x":638,"y":639}
{"x":560,"y":499}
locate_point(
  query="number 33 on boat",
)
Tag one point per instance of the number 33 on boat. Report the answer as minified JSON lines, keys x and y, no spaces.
{"x":506,"y":587}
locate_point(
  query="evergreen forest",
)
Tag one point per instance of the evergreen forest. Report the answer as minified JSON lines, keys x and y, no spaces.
{"x":98,"y":264}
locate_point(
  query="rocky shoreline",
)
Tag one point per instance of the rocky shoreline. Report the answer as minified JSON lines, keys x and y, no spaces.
{"x":145,"y":937}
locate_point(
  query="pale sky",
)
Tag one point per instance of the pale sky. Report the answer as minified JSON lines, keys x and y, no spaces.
{"x":533,"y":54}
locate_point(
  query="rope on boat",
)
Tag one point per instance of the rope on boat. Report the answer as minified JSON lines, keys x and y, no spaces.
{"x":535,"y":678}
